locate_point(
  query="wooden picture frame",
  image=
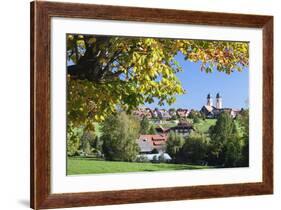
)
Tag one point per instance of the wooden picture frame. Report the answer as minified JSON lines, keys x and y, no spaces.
{"x":41,"y":14}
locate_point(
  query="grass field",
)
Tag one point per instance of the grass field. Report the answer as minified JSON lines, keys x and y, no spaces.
{"x":167,"y":123}
{"x":204,"y":125}
{"x":93,"y":166}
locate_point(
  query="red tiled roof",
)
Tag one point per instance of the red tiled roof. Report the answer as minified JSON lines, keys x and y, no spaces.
{"x":154,"y":138}
{"x":158,"y":143}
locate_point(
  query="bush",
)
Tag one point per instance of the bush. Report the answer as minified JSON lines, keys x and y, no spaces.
{"x":86,"y":142}
{"x":194,"y":150}
{"x":119,"y":137}
{"x":73,"y":139}
{"x":174,"y":144}
{"x":196,"y":119}
{"x":142,"y":159}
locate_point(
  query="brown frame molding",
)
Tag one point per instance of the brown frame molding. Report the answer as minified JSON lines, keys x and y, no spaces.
{"x":41,"y":14}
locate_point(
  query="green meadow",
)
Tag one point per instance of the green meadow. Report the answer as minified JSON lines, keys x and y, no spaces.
{"x":79,"y":165}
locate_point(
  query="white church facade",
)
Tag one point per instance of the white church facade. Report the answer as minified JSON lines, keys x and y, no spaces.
{"x":211,"y":110}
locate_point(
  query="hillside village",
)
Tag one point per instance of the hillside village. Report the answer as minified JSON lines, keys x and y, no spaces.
{"x":209,"y":111}
{"x":182,"y":121}
{"x":160,"y":139}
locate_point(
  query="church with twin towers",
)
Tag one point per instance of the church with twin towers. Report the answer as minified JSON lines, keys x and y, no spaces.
{"x":218,"y":103}
{"x":213,"y":109}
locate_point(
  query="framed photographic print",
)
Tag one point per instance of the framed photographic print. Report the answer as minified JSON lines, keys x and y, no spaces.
{"x":134,"y":105}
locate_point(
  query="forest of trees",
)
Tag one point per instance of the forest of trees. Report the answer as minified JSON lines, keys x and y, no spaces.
{"x":222,"y":146}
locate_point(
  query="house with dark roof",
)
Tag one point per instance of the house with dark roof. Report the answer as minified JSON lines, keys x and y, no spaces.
{"x":160,"y":129}
{"x":182,"y":113}
{"x":183,"y":127}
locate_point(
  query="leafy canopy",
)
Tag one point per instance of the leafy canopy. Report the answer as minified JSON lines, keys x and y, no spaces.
{"x":122,"y":72}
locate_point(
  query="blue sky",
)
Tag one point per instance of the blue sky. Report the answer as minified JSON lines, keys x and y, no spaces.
{"x":233,"y":88}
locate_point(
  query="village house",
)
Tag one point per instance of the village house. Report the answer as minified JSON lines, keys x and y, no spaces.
{"x":153,"y":147}
{"x":183,"y":127}
{"x":182,"y":113}
{"x":163,"y":114}
{"x":172,"y":112}
{"x":160,"y":129}
{"x":142,"y":112}
{"x":148,"y":143}
{"x":209,"y":110}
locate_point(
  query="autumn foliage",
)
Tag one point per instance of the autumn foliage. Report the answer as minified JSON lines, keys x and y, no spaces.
{"x":110,"y":73}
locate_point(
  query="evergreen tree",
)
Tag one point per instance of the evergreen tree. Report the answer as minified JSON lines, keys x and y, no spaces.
{"x":225,"y":146}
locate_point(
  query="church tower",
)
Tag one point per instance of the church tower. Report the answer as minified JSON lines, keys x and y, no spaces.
{"x":218,"y":101}
{"x":209,"y":100}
